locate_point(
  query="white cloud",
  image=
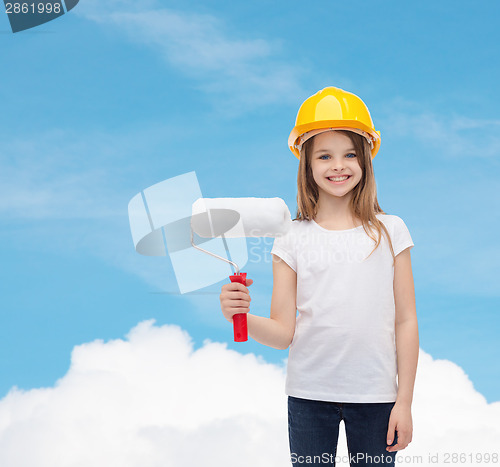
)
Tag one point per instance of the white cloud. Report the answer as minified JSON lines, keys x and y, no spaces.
{"x":152,"y":400}
{"x":238,"y":73}
{"x":149,"y":400}
{"x":444,"y":135}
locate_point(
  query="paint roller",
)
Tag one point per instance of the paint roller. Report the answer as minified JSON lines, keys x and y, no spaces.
{"x":238,"y":217}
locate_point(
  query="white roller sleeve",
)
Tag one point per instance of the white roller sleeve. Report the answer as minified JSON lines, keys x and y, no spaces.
{"x":259,"y":217}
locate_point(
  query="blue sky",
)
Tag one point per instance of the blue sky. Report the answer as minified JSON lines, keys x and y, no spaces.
{"x":108,"y":100}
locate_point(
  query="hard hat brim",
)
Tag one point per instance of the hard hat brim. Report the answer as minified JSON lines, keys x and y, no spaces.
{"x":299,"y":130}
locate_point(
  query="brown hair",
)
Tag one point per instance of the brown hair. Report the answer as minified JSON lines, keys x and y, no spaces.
{"x":363,"y":204}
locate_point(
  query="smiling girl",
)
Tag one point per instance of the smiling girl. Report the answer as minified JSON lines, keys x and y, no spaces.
{"x":345,"y":266}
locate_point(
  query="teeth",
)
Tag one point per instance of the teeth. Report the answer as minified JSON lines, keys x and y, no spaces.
{"x":338,"y":179}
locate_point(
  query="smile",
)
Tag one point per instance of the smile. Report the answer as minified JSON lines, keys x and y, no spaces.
{"x":338,"y":180}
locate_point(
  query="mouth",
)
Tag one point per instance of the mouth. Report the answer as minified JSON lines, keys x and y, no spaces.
{"x":338,"y":180}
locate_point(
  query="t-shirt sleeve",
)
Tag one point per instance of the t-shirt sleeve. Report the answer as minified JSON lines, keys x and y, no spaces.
{"x":401,"y":237}
{"x":285,"y":248}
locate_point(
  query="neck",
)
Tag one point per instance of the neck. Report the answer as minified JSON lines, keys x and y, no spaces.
{"x":334,"y":208}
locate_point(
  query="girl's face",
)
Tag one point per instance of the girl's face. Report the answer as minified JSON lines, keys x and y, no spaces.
{"x":334,"y":157}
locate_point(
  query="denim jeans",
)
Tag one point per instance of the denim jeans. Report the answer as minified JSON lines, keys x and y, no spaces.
{"x":313,"y":429}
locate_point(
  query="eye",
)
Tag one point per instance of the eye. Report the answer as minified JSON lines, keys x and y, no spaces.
{"x":350,"y":155}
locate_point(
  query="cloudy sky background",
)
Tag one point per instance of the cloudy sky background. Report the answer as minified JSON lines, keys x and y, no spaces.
{"x":111,"y":99}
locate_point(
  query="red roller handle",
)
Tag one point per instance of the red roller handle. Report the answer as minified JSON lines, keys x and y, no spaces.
{"x":240,"y":319}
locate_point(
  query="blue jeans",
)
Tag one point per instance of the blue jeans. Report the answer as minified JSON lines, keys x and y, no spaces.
{"x":313,"y":430}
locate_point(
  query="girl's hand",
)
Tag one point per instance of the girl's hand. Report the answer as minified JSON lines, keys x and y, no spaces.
{"x":234,"y":298}
{"x":401,"y":421}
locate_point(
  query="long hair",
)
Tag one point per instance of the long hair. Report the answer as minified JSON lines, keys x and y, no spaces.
{"x":363,"y":203}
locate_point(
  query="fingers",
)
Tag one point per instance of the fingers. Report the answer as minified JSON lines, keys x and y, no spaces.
{"x":237,"y":295}
{"x":233,"y":286}
{"x":234,"y":298}
{"x":396,"y":447}
{"x":391,"y":431}
{"x":403,"y":438}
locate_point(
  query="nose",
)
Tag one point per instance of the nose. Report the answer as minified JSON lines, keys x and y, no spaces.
{"x":337,"y":164}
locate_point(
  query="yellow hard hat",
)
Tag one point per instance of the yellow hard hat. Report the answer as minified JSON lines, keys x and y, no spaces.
{"x":336,"y":109}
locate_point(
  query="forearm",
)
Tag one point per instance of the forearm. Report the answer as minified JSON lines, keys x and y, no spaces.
{"x":267,"y":331}
{"x":407,"y":346}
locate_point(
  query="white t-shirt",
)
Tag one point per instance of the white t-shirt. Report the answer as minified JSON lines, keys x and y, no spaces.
{"x":344,"y":347}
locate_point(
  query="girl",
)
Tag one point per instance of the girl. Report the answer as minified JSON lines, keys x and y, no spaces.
{"x":345,"y":266}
